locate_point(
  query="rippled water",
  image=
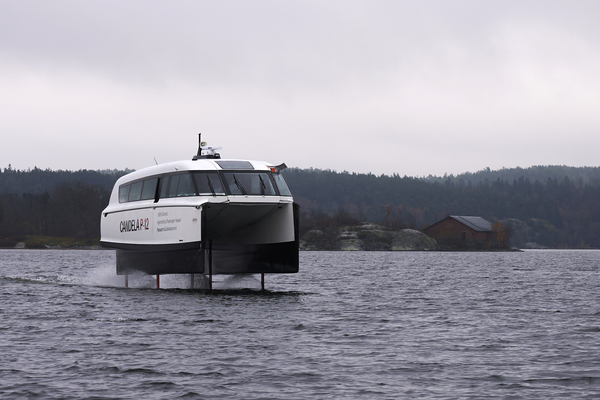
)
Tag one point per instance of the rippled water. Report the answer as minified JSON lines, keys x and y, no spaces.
{"x":349,"y":325}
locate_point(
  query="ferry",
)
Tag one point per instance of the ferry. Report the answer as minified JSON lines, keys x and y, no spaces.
{"x":206,"y":215}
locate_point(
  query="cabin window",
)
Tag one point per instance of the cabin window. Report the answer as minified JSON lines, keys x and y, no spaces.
{"x":209,"y":184}
{"x":205,"y":183}
{"x":185,"y":186}
{"x":135,"y":192}
{"x":123,"y":193}
{"x":255,"y":183}
{"x":180,"y":185}
{"x":141,"y":190}
{"x":173,"y":182}
{"x":149,"y":189}
{"x":164,"y":185}
{"x":281,"y":185}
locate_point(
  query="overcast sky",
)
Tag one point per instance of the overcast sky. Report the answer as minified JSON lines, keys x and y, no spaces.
{"x":407,"y":87}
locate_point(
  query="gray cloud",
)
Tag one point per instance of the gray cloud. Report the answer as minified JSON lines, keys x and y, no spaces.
{"x":386,"y":86}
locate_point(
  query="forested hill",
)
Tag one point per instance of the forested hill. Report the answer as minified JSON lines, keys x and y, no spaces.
{"x":36,"y":180}
{"x":539,"y":173}
{"x":562,"y":200}
{"x":465,"y":194}
{"x":52,"y":203}
{"x":552,"y":210}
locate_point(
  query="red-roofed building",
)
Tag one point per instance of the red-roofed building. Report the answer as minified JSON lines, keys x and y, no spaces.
{"x":462,"y":231}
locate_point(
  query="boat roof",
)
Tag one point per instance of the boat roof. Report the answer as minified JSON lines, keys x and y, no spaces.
{"x":196,"y":165}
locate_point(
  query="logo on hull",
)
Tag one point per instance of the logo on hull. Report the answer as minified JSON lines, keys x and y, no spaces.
{"x":131,"y":225}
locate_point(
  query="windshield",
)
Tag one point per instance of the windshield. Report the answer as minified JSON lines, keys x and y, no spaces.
{"x":208,"y":183}
{"x":253,"y":183}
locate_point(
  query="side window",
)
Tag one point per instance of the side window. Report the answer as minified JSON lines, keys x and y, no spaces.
{"x":135,"y":192}
{"x":123,"y":193}
{"x":281,"y":185}
{"x":149,"y":189}
{"x":173,"y":185}
{"x":142,"y":190}
{"x":164,"y":186}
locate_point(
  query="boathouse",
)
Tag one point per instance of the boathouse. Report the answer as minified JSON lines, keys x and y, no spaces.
{"x":462,"y":232}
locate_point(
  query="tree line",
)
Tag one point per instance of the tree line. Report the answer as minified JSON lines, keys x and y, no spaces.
{"x":557,"y":212}
{"x":535,"y":173}
{"x":560,"y":207}
{"x":52,"y":203}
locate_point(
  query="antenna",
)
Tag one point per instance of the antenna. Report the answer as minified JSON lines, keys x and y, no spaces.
{"x":155,"y":160}
{"x":199,"y":145}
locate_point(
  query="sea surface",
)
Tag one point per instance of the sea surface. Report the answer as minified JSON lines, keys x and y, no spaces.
{"x":350,"y":325}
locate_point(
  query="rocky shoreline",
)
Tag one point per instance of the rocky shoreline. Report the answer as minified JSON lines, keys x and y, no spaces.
{"x":361,"y":237}
{"x":367,"y":237}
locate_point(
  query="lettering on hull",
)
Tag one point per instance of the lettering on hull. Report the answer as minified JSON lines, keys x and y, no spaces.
{"x":132,"y":225}
{"x":167,"y":224}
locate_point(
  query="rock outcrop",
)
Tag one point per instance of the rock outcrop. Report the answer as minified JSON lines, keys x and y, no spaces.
{"x":367,"y":237}
{"x":411,"y":239}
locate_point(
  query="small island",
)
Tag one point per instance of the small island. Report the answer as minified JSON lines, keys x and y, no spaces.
{"x":367,"y":237}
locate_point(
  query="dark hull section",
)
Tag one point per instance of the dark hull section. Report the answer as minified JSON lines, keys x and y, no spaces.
{"x":250,"y":259}
{"x":161,"y":260}
{"x":227,"y":258}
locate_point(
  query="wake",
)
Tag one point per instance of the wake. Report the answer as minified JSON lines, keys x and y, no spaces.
{"x":105,"y":276}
